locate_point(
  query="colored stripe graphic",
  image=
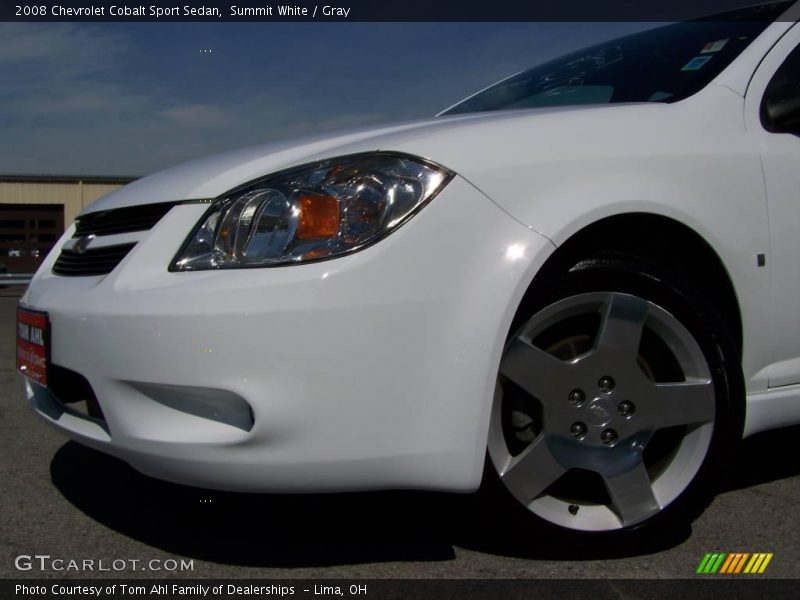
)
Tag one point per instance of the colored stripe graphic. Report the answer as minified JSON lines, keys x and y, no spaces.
{"x":717,"y":564}
{"x":754,"y":563}
{"x":758,"y":563}
{"x":703,"y":563}
{"x":765,"y":563}
{"x":711,"y":563}
{"x":732,"y":559}
{"x":741,"y":562}
{"x":734,"y":562}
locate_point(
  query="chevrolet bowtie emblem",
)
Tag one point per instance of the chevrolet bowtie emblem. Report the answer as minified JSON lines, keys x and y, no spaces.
{"x":81,"y":244}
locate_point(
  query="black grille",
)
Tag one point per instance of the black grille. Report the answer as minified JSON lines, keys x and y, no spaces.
{"x":121,"y":220}
{"x":96,"y":261}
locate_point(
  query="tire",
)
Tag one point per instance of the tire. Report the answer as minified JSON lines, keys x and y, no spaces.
{"x":619,"y":395}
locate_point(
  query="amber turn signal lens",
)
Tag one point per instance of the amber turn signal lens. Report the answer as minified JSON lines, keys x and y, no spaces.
{"x":319,"y":216}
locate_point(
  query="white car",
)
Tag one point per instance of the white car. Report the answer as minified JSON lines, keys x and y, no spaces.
{"x":591,"y":269}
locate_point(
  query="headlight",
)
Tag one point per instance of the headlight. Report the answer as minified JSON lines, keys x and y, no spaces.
{"x":314,"y":212}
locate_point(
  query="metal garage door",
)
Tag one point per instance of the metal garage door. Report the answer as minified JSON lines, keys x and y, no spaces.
{"x":27,"y":233}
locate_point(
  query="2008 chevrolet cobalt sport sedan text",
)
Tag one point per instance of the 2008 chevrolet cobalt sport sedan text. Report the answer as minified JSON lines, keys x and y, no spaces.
{"x":590,"y":269}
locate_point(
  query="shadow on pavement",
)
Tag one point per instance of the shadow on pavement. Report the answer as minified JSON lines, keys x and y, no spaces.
{"x":254,"y":529}
{"x":765,"y":457}
{"x":334,"y":529}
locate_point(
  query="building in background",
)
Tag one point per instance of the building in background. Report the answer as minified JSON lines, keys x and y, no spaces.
{"x":36,"y":209}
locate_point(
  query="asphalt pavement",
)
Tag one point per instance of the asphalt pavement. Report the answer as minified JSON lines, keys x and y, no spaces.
{"x":62,"y":500}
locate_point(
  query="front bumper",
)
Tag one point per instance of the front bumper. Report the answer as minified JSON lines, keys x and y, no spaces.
{"x":374,"y":370}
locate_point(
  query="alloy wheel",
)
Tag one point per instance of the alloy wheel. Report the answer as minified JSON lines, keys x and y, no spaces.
{"x":603,"y":413}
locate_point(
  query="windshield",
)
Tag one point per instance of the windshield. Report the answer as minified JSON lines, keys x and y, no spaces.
{"x":666,"y":64}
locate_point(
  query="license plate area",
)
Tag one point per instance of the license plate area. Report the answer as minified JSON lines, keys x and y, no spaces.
{"x":33,"y":344}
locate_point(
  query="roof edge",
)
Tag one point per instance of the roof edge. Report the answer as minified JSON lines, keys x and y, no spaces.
{"x":108,"y":179}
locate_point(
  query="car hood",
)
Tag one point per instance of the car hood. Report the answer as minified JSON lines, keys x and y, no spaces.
{"x":212,"y":176}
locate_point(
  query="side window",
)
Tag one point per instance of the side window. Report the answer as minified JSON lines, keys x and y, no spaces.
{"x":780,"y":107}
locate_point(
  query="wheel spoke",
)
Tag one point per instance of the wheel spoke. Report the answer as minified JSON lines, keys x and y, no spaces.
{"x":621,"y":326}
{"x":533,"y":369}
{"x":684,"y":403}
{"x":530,"y":473}
{"x":631,"y":494}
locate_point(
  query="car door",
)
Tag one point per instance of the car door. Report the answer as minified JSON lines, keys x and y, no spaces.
{"x":772,"y":115}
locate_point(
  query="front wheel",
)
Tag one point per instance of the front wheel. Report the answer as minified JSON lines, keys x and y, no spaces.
{"x":618,"y":394}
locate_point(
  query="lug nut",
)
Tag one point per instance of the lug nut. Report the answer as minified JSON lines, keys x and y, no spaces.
{"x":606,"y":384}
{"x":626,"y":408}
{"x":609,"y":437}
{"x":578,"y":430}
{"x":577,"y":397}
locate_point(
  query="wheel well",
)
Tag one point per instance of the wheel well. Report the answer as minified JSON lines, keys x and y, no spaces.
{"x":658,"y":239}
